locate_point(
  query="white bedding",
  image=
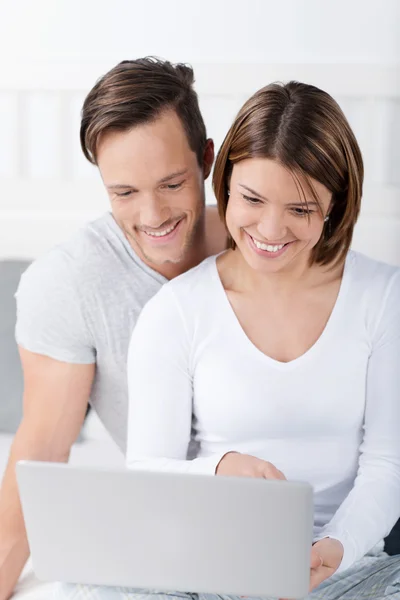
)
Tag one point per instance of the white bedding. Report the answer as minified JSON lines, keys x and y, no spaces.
{"x":97,"y":449}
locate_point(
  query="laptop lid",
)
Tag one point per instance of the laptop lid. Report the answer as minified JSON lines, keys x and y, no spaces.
{"x":167,"y":531}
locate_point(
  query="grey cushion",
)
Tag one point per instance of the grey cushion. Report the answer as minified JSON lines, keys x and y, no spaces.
{"x":10,"y":370}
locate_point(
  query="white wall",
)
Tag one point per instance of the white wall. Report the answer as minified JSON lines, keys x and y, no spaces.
{"x":238,"y":31}
{"x":51,"y":52}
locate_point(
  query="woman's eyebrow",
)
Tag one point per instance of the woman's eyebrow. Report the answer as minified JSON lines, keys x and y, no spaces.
{"x":309,"y":203}
{"x":253,"y":191}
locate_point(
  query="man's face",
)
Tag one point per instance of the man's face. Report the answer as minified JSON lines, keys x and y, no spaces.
{"x":156,"y":187}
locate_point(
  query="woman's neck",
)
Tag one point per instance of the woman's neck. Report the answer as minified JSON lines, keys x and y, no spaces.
{"x":297,"y":277}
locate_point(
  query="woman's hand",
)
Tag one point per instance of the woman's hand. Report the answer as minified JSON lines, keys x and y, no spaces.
{"x":243,"y":465}
{"x":326,"y":556}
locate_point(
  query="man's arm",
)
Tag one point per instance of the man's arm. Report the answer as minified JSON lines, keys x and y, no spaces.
{"x":55,"y":400}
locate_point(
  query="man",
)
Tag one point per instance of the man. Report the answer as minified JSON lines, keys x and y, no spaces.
{"x":77,"y":305}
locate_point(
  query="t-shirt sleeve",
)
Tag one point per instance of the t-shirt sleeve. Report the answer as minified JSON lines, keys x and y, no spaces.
{"x":372,"y":507}
{"x":161,"y":391}
{"x":50,"y":319}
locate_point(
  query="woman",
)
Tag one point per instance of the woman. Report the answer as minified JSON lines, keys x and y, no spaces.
{"x":283,"y":352}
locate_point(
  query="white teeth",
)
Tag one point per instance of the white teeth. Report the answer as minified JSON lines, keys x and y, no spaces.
{"x":267,"y":247}
{"x":161,"y":233}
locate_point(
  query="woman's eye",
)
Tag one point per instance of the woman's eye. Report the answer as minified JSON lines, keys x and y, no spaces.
{"x":251,"y":200}
{"x":302,"y":212}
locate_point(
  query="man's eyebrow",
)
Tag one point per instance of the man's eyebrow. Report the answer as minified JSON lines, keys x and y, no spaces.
{"x":173,"y":175}
{"x":125,"y":186}
{"x":309,"y":202}
{"x":120,"y":186}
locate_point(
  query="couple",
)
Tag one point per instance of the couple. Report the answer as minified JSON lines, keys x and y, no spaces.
{"x":281,"y":352}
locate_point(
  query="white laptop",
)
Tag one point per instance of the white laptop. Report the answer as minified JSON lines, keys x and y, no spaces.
{"x":194,"y":533}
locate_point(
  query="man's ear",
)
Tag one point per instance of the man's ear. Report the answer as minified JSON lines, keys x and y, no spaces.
{"x":208,"y":158}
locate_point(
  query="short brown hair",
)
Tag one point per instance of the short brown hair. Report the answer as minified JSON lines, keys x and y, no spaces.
{"x":136,"y":92}
{"x":304,"y":129}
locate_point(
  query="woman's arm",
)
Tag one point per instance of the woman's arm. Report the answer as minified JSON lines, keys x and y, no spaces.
{"x":373,"y":506}
{"x":160,"y":391}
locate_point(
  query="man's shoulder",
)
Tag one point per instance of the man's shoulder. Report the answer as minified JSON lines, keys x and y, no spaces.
{"x":77,"y":258}
{"x":55,"y":300}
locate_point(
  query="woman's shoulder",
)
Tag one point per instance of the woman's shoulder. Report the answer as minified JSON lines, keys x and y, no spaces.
{"x":188,"y":291}
{"x":197,"y":281}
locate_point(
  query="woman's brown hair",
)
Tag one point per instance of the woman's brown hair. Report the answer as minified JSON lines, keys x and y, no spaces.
{"x":304,"y":129}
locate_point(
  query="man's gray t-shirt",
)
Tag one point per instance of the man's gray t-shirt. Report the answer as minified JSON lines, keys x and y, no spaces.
{"x":79,"y":304}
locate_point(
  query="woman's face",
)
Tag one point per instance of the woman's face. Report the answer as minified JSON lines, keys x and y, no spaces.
{"x":267,"y":218}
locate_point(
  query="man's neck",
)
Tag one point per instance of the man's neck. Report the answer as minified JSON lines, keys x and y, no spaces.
{"x":193,"y":256}
{"x":211,"y":238}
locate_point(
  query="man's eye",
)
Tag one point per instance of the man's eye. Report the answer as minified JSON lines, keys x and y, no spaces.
{"x":123,"y":194}
{"x":173,"y":186}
